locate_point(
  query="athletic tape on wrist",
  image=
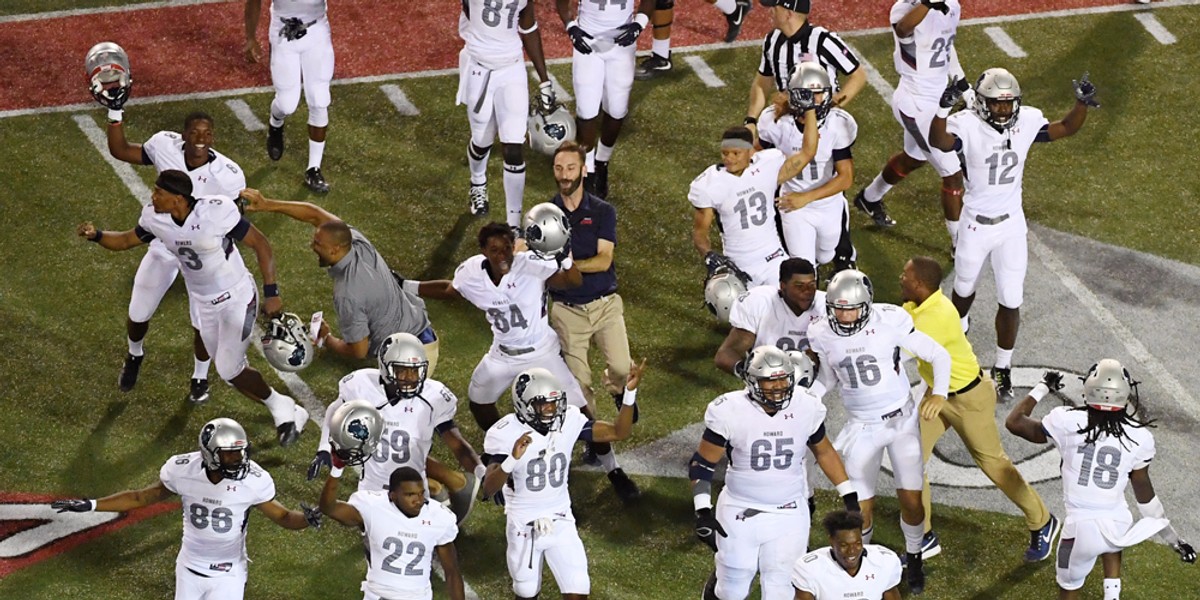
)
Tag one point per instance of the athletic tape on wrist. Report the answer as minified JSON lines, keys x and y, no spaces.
{"x":1038,"y":392}
{"x":630,"y":398}
{"x":702,"y":501}
{"x":508,"y":465}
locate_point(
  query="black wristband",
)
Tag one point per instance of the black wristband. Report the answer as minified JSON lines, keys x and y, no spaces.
{"x":99,"y":234}
{"x":271,"y":290}
{"x":750,"y":121}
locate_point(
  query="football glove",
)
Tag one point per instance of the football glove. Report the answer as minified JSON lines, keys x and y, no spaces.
{"x":113,"y":99}
{"x":628,"y":34}
{"x":850,"y":501}
{"x":1085,"y":91}
{"x":322,"y":459}
{"x":546,"y":99}
{"x":714,"y":260}
{"x":953,"y":92}
{"x":579,"y":38}
{"x":938,"y":5}
{"x":1186,"y":552}
{"x":801,"y":101}
{"x":82,"y":505}
{"x":1053,"y":380}
{"x":312,"y":514}
{"x":708,"y":527}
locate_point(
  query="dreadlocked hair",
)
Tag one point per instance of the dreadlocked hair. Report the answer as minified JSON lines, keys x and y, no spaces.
{"x":1113,"y":423}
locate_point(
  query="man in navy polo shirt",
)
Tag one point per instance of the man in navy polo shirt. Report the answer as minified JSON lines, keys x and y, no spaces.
{"x":592,"y":312}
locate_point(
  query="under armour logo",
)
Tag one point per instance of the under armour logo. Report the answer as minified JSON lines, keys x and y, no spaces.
{"x":512,"y":285}
{"x":972,"y":227}
{"x":869,"y":331}
{"x":195,"y":227}
{"x":788,"y":416}
{"x":408,"y":409}
{"x":231,"y":488}
{"x":869,"y":576}
{"x":424,"y":522}
{"x":202,"y":179}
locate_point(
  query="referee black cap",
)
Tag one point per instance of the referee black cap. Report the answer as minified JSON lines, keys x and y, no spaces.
{"x":800,"y":6}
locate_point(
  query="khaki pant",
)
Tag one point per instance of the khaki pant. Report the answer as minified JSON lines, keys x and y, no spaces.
{"x":603,"y":322}
{"x":431,"y":354}
{"x":973,"y":416}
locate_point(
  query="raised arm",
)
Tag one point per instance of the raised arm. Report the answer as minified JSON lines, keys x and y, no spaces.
{"x":301,"y":211}
{"x":808,"y":149}
{"x":342,"y":512}
{"x":567,"y":278}
{"x":1019,"y":423}
{"x":120,"y":148}
{"x":603,"y":431}
{"x":113,"y":240}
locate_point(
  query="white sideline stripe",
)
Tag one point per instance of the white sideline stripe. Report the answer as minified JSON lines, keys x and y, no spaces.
{"x":242,"y":111}
{"x":103,"y":9}
{"x":124,"y":171}
{"x":875,"y":78}
{"x":1004,"y":42}
{"x":703,"y":71}
{"x":299,"y":390}
{"x":560,"y":92}
{"x":1155,"y":28}
{"x":1135,"y":348}
{"x":396,"y":95}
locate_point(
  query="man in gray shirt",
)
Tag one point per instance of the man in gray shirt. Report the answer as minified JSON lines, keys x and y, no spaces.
{"x":369,"y":302}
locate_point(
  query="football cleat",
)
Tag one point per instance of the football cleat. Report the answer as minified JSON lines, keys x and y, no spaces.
{"x":479,"y":199}
{"x":625,"y":488}
{"x":199,"y":391}
{"x":596,"y":182}
{"x":463,"y":500}
{"x":735,"y":20}
{"x":315,"y":181}
{"x":290,"y":432}
{"x":914,"y":572}
{"x":875,"y":210}
{"x":129,"y":372}
{"x":1003,"y":379}
{"x":1042,"y":540}
{"x":931,"y":546}
{"x":275,"y":142}
{"x":652,"y":67}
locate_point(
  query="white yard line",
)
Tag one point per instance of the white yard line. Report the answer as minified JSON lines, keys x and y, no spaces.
{"x":242,"y":111}
{"x":560,"y":93}
{"x":1155,"y":28}
{"x":398,"y":99}
{"x":124,"y":171}
{"x":1004,"y":42}
{"x":57,"y":14}
{"x":875,"y":78}
{"x":298,"y":388}
{"x":703,"y":71}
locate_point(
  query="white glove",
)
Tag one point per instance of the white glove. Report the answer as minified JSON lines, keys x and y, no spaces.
{"x":969,"y":98}
{"x":543,"y":526}
{"x":546,"y":99}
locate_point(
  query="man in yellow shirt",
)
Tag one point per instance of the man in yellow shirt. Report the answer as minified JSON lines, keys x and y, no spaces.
{"x":970,"y":407}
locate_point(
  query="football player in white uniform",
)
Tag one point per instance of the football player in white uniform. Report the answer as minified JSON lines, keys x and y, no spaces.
{"x":415,"y":408}
{"x":925,"y":58}
{"x":212,"y":174}
{"x":773,"y":316}
{"x":859,"y":346}
{"x":403,"y":530}
{"x":529,"y":458}
{"x":1104,"y":447}
{"x":201,"y":233}
{"x":813,"y":210}
{"x":301,"y":60}
{"x":761,"y":521}
{"x":492,"y":84}
{"x":847,"y":568}
{"x":605,"y":40}
{"x":740,"y":194}
{"x":218,"y":485}
{"x":993,"y":141}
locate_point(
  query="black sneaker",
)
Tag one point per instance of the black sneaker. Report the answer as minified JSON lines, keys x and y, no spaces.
{"x":275,"y":142}
{"x":479,"y":199}
{"x":914,"y":573}
{"x":199,"y":391}
{"x":652,"y":67}
{"x":316,"y":181}
{"x":619,"y":400}
{"x":875,"y":210}
{"x":289,"y":432}
{"x":735,"y":20}
{"x":625,"y":488}
{"x":1003,"y":379}
{"x":129,"y":372}
{"x":597,"y":181}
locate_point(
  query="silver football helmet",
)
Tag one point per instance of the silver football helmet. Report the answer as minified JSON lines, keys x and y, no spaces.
{"x":1108,"y":386}
{"x":547,"y":230}
{"x":547,"y":131}
{"x":539,"y":400}
{"x":398,"y":351}
{"x":849,"y":289}
{"x":109,"y":76}
{"x":225,"y":435}
{"x":721,"y":290}
{"x":286,"y":344}
{"x":768,"y":363}
{"x":809,"y":79}
{"x":354,"y":431}
{"x":806,"y":370}
{"x":997,"y":85}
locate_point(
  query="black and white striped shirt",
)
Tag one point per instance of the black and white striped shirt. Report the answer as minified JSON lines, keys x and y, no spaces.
{"x":781,"y":54}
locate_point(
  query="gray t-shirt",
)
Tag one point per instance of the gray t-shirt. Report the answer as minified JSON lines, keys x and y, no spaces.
{"x":369,"y":301}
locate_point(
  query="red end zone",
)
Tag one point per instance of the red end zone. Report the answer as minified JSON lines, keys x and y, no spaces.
{"x":196,"y":48}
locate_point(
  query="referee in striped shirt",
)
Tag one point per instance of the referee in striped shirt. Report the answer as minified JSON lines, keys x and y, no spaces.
{"x":795,"y":40}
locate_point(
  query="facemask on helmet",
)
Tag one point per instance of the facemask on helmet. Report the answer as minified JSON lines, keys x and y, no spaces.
{"x":806,"y":371}
{"x":997,"y":85}
{"x":220,"y":438}
{"x":547,"y":131}
{"x":354,"y":431}
{"x":721,"y":291}
{"x":400,"y":356}
{"x":538,"y":400}
{"x":287,"y":345}
{"x":547,"y":230}
{"x":109,"y":76}
{"x":770,"y":377}
{"x":809,"y":79}
{"x":848,"y":290}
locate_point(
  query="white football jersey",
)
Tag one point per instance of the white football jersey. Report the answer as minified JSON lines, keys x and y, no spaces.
{"x":819,"y":574}
{"x":601,"y":18}
{"x":766,"y":452}
{"x":220,"y":176}
{"x":923,"y":59}
{"x":744,"y":205}
{"x":539,"y":481}
{"x":492,"y":35}
{"x":409,"y":425}
{"x":306,"y":10}
{"x":838,"y":133}
{"x":516,"y":307}
{"x":762,"y":311}
{"x":400,"y":549}
{"x":994,"y":162}
{"x":214,"y":515}
{"x":867,"y":363}
{"x":1094,"y":476}
{"x":207,"y":257}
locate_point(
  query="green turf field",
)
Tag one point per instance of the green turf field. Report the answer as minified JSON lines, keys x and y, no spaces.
{"x":1127,"y":178}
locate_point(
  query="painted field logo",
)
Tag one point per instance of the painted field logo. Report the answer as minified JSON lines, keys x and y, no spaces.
{"x":31,"y":531}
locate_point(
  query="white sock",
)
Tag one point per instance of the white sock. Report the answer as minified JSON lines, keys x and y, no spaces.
{"x":608,"y":461}
{"x":726,"y":6}
{"x":1112,"y":589}
{"x":661,"y":47}
{"x":603,"y":153}
{"x":135,"y":348}
{"x":966,"y":322}
{"x":200,"y":369}
{"x":283,"y":408}
{"x":866,"y":534}
{"x":277,"y":116}
{"x":514,"y":192}
{"x":878,"y":187}
{"x":477,"y":164}
{"x":913,"y":536}
{"x":1003,"y":358}
{"x":952,"y":227}
{"x":591,"y":161}
{"x":316,"y":151}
